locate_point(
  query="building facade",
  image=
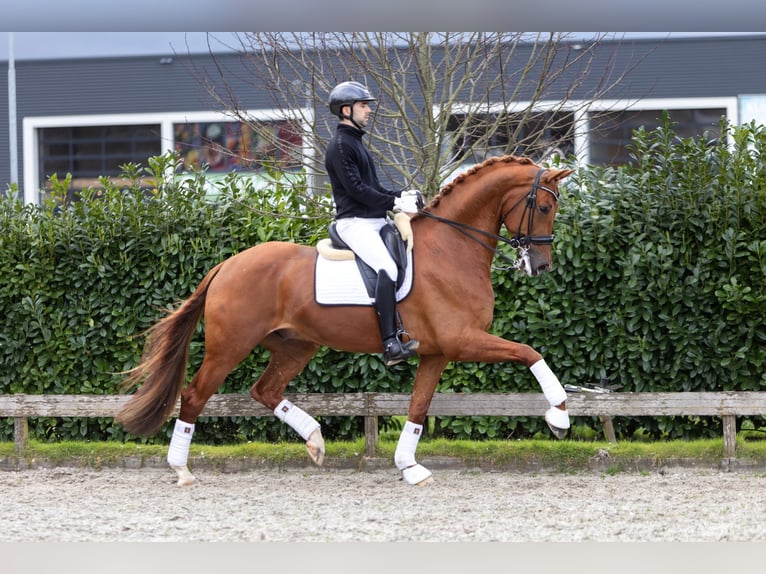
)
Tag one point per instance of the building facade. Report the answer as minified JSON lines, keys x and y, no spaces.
{"x":88,"y":116}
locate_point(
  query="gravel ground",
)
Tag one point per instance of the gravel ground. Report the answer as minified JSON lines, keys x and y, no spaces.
{"x":144,"y":505}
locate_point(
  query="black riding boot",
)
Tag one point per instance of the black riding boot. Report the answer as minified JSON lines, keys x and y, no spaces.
{"x":394,"y":350}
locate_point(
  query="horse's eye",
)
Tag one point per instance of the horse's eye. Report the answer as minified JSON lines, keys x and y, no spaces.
{"x":545,"y":208}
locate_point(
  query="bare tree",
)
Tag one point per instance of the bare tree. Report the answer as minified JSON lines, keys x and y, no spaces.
{"x":443,"y":98}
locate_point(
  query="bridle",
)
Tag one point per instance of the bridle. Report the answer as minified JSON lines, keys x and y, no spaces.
{"x":519,"y":240}
{"x":525,"y":241}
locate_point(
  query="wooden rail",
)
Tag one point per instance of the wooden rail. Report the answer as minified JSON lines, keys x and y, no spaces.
{"x":727,"y":405}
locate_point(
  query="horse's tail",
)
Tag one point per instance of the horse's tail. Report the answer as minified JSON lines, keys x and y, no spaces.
{"x":163,"y":365}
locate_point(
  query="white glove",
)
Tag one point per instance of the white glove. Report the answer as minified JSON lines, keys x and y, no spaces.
{"x":406,"y":203}
{"x":417,"y":195}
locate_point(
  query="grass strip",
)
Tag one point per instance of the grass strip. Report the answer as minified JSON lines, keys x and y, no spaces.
{"x":563,"y":456}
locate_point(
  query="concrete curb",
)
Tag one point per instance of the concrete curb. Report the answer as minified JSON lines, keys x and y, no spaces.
{"x":602,"y":463}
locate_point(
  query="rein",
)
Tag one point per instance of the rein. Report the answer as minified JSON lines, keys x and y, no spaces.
{"x":518,"y":241}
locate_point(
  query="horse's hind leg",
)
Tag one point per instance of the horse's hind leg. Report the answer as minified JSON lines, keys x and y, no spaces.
{"x":206,"y":381}
{"x":288,"y":358}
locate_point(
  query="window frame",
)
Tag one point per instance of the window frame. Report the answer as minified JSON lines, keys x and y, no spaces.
{"x":581,"y":110}
{"x":31,"y":125}
{"x":583,"y":131}
{"x":584,"y":110}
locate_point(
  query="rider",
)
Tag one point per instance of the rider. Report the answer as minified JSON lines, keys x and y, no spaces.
{"x":361,"y":203}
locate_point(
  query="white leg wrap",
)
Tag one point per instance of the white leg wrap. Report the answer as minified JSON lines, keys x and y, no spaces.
{"x":404,"y":456}
{"x":549,"y":383}
{"x":299,"y":420}
{"x":557,"y":418}
{"x":415,"y":474}
{"x":178,"y":451}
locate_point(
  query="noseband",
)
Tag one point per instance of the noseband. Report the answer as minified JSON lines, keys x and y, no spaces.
{"x":518,"y":241}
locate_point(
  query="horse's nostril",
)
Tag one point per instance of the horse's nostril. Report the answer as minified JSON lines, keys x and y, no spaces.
{"x":544,"y":268}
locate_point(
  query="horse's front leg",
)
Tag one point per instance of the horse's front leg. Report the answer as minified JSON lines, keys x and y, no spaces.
{"x":480,"y":346}
{"x":426,"y":379}
{"x":557,"y":416}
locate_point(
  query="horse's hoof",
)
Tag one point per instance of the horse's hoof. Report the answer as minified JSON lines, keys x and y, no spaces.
{"x":417,"y":475}
{"x":185,"y":477}
{"x":557,"y":432}
{"x":558,"y":422}
{"x":426,"y":481}
{"x":315,"y":447}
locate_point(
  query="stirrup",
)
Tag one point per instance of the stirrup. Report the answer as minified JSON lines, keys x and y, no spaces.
{"x":394,"y":351}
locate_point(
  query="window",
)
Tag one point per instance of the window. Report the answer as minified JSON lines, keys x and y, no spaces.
{"x":92,"y":146}
{"x":535,"y":134}
{"x":236,"y":146}
{"x":88,"y":152}
{"x":611,"y":132}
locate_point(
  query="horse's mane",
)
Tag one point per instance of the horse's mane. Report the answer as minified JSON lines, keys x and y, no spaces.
{"x":447,"y":189}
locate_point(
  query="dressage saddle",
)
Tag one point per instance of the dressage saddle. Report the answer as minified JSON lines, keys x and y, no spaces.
{"x":396,"y":246}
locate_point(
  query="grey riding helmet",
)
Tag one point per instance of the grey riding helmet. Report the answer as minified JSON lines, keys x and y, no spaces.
{"x":347,"y":94}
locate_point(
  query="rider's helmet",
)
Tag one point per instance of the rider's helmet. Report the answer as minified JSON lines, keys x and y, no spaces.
{"x":347,"y":94}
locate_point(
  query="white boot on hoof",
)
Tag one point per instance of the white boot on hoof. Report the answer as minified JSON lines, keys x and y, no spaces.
{"x":185,"y":477}
{"x":417,"y":475}
{"x":315,"y":447}
{"x":558,"y":421}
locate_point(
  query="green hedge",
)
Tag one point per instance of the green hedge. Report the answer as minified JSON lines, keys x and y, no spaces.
{"x":657,"y":284}
{"x":83,"y":279}
{"x":659,"y":275}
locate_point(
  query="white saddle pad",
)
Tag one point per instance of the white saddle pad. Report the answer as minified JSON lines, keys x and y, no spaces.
{"x":340,"y":283}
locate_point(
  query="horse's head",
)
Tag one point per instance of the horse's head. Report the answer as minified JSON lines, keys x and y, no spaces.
{"x":528,"y":211}
{"x":508,"y":190}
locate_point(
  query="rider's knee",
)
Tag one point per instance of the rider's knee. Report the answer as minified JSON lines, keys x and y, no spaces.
{"x":390,"y":270}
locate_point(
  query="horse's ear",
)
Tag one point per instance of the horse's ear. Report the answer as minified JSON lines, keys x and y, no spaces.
{"x":557,"y":174}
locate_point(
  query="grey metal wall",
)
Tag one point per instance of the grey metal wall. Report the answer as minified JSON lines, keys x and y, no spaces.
{"x":120,"y":85}
{"x":694,"y":67}
{"x":117,"y":85}
{"x":685,"y":67}
{"x":5,"y":164}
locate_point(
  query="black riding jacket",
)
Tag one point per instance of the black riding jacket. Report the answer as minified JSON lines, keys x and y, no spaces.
{"x":355,"y":186}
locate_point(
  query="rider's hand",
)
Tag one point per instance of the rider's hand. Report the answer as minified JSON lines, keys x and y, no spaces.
{"x":406,"y":203}
{"x":417,"y":195}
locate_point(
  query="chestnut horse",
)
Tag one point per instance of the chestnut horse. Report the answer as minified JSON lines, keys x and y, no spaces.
{"x":265,"y":296}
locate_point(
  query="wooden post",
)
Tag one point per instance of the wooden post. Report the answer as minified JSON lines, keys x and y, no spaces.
{"x":20,"y":433}
{"x":370,"y":435}
{"x":370,"y":428}
{"x":729,"y":436}
{"x":606,"y":422}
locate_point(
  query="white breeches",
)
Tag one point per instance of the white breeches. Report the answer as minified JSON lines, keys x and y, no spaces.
{"x":362,"y":235}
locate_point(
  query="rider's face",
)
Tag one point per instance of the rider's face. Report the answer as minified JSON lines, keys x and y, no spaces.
{"x":361,"y":111}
